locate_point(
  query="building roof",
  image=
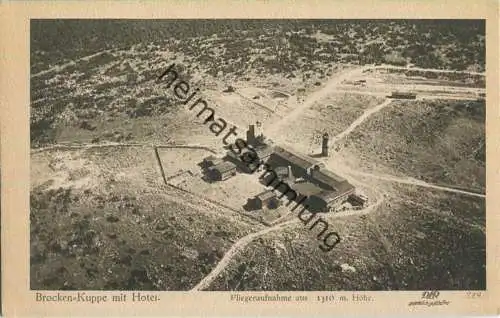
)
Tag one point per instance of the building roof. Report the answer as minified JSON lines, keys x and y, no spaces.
{"x":281,"y":170}
{"x":328,"y":195}
{"x":345,"y":187}
{"x":327,"y":177}
{"x":311,"y":189}
{"x":264,"y":151}
{"x":403,"y":93}
{"x":211,"y":157}
{"x":324,"y":183}
{"x":223,"y":166}
{"x":214,"y":160}
{"x":306,"y":188}
{"x":295,"y":158}
{"x":266,"y":195}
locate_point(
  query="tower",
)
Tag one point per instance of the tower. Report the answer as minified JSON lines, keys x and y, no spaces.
{"x":324,"y":145}
{"x":251,"y":135}
{"x":259,"y":131}
{"x":255,"y":134}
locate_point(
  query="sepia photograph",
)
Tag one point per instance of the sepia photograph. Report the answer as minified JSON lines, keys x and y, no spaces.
{"x":257,"y":154}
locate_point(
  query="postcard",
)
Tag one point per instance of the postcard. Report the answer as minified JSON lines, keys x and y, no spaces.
{"x":249,"y":158}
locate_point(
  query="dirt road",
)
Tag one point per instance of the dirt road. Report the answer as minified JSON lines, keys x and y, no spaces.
{"x":433,"y":70}
{"x":244,"y":241}
{"x":412,"y":181}
{"x":335,"y":81}
{"x":63,"y":66}
{"x":233,"y":251}
{"x":360,"y":120}
{"x":329,"y":87}
{"x":420,"y":95}
{"x":274,"y":131}
{"x":69,"y":146}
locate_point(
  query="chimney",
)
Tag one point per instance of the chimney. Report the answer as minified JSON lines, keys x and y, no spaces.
{"x":251,"y":135}
{"x":290,"y":174}
{"x":324,"y":145}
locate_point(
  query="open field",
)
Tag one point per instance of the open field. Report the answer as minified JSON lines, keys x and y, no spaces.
{"x":332,"y":114}
{"x":233,"y":193}
{"x":441,"y":142}
{"x":177,"y":160}
{"x":182,"y":170}
{"x":123,"y":228}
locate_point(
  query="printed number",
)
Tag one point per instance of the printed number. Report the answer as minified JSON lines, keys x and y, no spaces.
{"x":474,"y":294}
{"x":430,"y":294}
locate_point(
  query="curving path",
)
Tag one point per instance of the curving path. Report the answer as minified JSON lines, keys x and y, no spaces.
{"x":330,"y":86}
{"x":233,"y":251}
{"x":244,"y":241}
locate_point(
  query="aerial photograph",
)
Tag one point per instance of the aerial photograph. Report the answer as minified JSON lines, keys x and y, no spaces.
{"x":257,"y":155}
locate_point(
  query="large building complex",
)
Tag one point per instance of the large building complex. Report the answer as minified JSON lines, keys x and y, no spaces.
{"x":326,"y":191}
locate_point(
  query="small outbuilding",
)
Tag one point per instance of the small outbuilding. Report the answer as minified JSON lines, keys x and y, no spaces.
{"x":210,"y":161}
{"x":403,"y":95}
{"x":229,"y":89}
{"x":358,"y":199}
{"x":283,"y":172}
{"x":222,"y":171}
{"x":266,"y":199}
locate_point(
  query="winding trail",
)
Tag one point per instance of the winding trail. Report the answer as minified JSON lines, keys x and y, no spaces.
{"x":233,"y":251}
{"x":244,"y":241}
{"x":269,"y":110}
